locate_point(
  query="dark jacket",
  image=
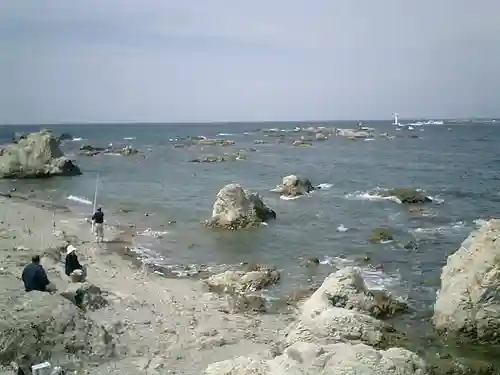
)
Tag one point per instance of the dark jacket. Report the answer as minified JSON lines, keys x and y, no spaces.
{"x":35,"y":278}
{"x":72,"y":263}
{"x":98,"y":217}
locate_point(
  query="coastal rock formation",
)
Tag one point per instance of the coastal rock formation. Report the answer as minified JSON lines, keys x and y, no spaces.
{"x":42,"y":327}
{"x":243,"y":281}
{"x":36,"y":155}
{"x":347,"y":289}
{"x":89,"y":150}
{"x":86,"y":296}
{"x":408,"y":196}
{"x":294,"y":186}
{"x":312,"y":359}
{"x":235,"y":208}
{"x":468,"y":303}
{"x":381,"y":235}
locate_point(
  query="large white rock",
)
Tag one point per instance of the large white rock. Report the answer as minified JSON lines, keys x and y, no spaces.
{"x":346,"y":288}
{"x":35,"y":155}
{"x":294,"y":186}
{"x":468,"y":302}
{"x":235,"y":208}
{"x":336,"y":359}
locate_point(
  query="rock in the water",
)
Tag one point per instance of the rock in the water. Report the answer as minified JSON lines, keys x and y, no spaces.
{"x":235,"y":208}
{"x":44,"y":327}
{"x":347,"y":289}
{"x":335,"y":359}
{"x":381,"y":235}
{"x":36,"y":155}
{"x":408,"y":196}
{"x":468,"y":303}
{"x":294,"y":186}
{"x":65,"y":137}
{"x":243,"y":281}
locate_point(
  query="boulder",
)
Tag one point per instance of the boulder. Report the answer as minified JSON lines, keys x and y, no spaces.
{"x":312,"y":359}
{"x":235,"y":208}
{"x":86,"y":296}
{"x":40,"y":326}
{"x":347,"y":289}
{"x":36,"y":155}
{"x":381,"y":235}
{"x":321,"y":137}
{"x":243,"y":281}
{"x":294,"y":186}
{"x":408,"y":196}
{"x":468,"y":302}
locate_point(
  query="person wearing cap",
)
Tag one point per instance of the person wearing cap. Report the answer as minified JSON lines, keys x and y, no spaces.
{"x":98,"y":219}
{"x":71,"y":264}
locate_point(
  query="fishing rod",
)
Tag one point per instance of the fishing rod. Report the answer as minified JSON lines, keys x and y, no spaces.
{"x":95,"y":199}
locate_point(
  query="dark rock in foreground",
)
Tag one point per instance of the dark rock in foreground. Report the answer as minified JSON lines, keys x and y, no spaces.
{"x":36,"y":155}
{"x":408,"y":196}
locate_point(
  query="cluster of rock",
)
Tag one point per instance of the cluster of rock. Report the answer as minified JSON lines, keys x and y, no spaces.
{"x":336,"y":332}
{"x":201,"y":141}
{"x":35,"y":155}
{"x":293,"y":186}
{"x":89,"y":150}
{"x":219,"y":158}
{"x":236,"y":208}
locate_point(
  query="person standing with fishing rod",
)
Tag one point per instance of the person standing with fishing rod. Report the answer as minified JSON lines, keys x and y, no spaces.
{"x":97,"y":217}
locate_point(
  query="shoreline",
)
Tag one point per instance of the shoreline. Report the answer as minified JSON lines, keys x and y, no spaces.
{"x":171,"y":322}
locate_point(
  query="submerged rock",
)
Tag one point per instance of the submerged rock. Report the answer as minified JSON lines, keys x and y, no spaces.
{"x":235,"y":208}
{"x":408,"y":196}
{"x":294,"y":186}
{"x":468,"y":303}
{"x":36,"y":155}
{"x":381,"y":235}
{"x":312,"y":359}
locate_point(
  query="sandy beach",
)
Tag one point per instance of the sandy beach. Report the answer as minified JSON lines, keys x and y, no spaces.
{"x":159,"y":325}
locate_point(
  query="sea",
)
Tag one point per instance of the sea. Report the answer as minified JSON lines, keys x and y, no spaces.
{"x":167,"y":197}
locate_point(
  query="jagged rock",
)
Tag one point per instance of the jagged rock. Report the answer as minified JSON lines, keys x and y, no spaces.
{"x":336,"y":324}
{"x":36,"y":155}
{"x":347,"y":289}
{"x":294,"y":186}
{"x":320,"y":137}
{"x":235,"y":208}
{"x":243,"y":281}
{"x":468,"y":303}
{"x":39,"y":326}
{"x":381,"y":235}
{"x":408,"y":196}
{"x":86,"y":296}
{"x":312,"y":359}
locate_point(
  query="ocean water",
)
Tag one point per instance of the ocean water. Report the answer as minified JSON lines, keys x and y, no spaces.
{"x":458,"y":164}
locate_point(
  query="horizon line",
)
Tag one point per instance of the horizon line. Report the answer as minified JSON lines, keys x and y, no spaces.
{"x":237,"y":122}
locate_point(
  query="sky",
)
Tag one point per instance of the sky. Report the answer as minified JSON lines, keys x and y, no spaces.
{"x":235,"y":60}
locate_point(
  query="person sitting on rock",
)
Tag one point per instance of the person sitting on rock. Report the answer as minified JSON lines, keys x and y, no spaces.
{"x":72,"y":266}
{"x":35,"y":278}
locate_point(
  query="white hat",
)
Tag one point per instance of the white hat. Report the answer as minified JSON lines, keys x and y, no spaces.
{"x":70,"y":249}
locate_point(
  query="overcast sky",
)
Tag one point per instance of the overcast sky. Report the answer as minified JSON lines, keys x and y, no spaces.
{"x":242,"y":60}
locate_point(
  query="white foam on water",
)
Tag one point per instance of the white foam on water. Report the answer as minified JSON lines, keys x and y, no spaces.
{"x":79,"y":199}
{"x":369,"y":139}
{"x":129,"y":138}
{"x":371,"y":196}
{"x":224,"y":135}
{"x":342,"y":228}
{"x":287,"y":198}
{"x":436,"y":199}
{"x":152,"y":233}
{"x":480,"y":222}
{"x":452,"y":227}
{"x":77,"y":139}
{"x":264,"y":224}
{"x":325,"y":186}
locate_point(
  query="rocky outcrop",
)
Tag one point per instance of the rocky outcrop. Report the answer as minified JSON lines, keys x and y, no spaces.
{"x":43,"y":327}
{"x":408,"y":196}
{"x":381,"y":235}
{"x":468,"y":303}
{"x":65,"y":137}
{"x":235,"y":208}
{"x":89,"y":150}
{"x":293,"y":186}
{"x":36,"y":155}
{"x":87,"y":296}
{"x":347,"y":289}
{"x":312,"y":359}
{"x":243,"y":281}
